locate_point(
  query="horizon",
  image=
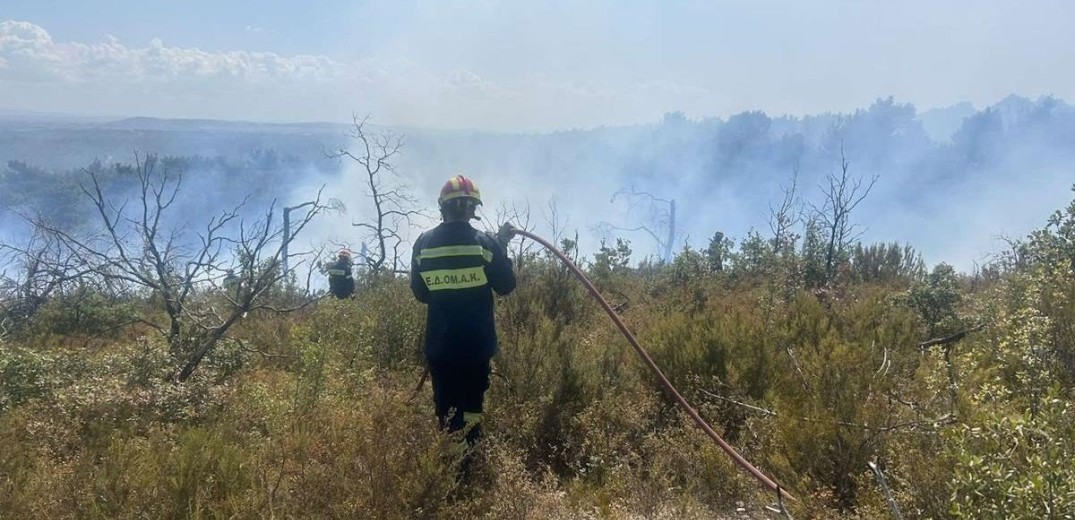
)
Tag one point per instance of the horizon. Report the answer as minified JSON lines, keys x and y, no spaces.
{"x":12,"y":114}
{"x":518,"y":67}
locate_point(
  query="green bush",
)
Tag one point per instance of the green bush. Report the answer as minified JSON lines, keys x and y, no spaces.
{"x":84,"y":311}
{"x":1015,"y":465}
{"x":24,"y":374}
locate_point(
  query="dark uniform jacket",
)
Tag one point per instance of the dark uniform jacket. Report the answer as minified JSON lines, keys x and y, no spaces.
{"x":455,"y":269}
{"x":340,"y":281}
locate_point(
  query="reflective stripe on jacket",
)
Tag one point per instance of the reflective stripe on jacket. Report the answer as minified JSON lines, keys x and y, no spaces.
{"x":455,"y":269}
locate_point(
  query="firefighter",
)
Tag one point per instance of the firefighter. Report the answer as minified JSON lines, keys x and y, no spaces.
{"x":455,"y":270}
{"x":232,"y":284}
{"x":341,"y":283}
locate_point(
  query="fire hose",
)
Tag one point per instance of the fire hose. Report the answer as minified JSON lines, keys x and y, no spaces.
{"x":680,"y":400}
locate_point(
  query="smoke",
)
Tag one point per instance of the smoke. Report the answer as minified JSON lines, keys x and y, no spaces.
{"x":1000,"y":174}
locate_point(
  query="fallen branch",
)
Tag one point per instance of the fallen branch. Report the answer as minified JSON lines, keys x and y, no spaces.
{"x":951,"y":339}
{"x":940,"y":421}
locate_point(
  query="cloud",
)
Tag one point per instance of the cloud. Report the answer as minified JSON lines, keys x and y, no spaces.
{"x":159,"y":79}
{"x":32,"y":56}
{"x":28,"y":52}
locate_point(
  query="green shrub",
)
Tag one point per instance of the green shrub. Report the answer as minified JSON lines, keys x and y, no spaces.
{"x":1015,"y":465}
{"x":24,"y":374}
{"x":84,"y":311}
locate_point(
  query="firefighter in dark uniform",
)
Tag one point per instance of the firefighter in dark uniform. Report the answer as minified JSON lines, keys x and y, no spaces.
{"x":341,"y":282}
{"x":232,"y":284}
{"x":455,"y":270}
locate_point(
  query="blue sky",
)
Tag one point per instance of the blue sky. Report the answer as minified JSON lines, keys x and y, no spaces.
{"x":524,"y":65}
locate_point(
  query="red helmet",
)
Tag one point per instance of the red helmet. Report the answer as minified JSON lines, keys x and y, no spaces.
{"x":344,"y":253}
{"x":459,"y":186}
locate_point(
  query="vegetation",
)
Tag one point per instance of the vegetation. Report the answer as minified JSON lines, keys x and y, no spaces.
{"x":813,"y":359}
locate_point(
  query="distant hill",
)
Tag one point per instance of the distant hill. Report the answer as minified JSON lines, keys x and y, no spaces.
{"x":9,"y":116}
{"x":214,"y":125}
{"x":64,"y":144}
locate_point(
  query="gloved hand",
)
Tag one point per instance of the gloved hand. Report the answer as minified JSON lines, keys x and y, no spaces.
{"x":504,"y":234}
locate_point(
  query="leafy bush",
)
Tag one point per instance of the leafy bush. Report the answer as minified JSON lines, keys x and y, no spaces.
{"x":1015,"y":465}
{"x":24,"y":374}
{"x":84,"y":311}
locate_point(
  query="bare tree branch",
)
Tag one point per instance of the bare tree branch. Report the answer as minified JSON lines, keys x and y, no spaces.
{"x":788,"y":215}
{"x":520,"y":218}
{"x":393,"y":207}
{"x":952,"y":338}
{"x":662,"y":216}
{"x":842,"y":195}
{"x":141,"y":244}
